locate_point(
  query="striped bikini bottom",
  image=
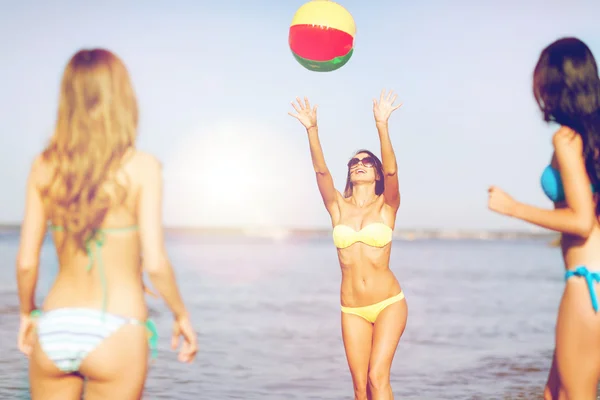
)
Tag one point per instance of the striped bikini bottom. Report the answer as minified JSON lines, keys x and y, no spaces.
{"x":68,"y":335}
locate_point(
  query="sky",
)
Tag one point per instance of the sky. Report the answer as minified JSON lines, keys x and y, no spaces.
{"x":215,"y":79}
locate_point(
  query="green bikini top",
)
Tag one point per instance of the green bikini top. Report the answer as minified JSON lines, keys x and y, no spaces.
{"x":93,"y":247}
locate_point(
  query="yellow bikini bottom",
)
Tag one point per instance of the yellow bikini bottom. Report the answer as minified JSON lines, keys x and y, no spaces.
{"x":371,"y":312}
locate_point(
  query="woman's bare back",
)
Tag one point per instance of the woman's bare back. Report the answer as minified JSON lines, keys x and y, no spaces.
{"x":110,"y":270}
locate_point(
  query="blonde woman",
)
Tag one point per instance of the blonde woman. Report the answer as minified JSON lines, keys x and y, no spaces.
{"x":102,"y":200}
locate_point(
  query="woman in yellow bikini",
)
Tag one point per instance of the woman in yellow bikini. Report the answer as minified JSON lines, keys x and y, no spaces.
{"x":102,"y":200}
{"x":374,"y":311}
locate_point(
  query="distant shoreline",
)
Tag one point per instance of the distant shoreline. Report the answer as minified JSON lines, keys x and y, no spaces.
{"x":407,"y":234}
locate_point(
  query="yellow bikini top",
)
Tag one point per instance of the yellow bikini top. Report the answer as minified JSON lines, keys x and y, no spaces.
{"x":376,"y":234}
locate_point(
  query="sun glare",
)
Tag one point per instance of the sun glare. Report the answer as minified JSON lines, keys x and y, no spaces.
{"x":231,"y":175}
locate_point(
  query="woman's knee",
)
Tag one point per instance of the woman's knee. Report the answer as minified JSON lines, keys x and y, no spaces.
{"x":360,"y":387}
{"x":360,"y":393}
{"x":379,"y":378}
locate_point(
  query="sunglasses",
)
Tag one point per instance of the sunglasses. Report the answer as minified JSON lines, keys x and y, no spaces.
{"x":367,"y":162}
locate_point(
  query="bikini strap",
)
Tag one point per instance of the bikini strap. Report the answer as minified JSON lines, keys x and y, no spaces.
{"x":153,"y":338}
{"x":590,"y":278}
{"x":150,"y":326}
{"x":93,"y":248}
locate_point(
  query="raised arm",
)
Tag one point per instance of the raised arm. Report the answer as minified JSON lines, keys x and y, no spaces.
{"x":308,"y":118}
{"x":33,"y":230}
{"x":382,"y":111}
{"x":578,"y":217}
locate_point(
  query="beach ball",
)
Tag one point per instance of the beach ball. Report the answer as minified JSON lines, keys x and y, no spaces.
{"x":322,"y":36}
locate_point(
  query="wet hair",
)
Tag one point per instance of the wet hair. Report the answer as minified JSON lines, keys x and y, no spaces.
{"x":566,"y":87}
{"x":96,"y":125}
{"x":379,"y":184}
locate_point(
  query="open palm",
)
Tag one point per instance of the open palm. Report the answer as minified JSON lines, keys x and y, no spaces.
{"x":385,"y":107}
{"x":304,"y":114}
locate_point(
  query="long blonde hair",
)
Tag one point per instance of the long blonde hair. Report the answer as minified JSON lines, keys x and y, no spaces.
{"x":96,"y":125}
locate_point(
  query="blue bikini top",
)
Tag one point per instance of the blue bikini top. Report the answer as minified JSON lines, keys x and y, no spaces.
{"x":552,"y":184}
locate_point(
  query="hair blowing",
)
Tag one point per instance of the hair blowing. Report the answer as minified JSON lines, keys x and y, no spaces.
{"x":566,"y":87}
{"x":96,"y":124}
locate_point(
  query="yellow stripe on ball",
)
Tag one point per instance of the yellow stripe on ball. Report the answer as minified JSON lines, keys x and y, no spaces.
{"x":325,"y":13}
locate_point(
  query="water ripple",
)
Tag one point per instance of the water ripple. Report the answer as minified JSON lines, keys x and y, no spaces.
{"x":481,"y":320}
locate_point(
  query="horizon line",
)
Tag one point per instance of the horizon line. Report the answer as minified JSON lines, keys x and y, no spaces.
{"x":540,"y":231}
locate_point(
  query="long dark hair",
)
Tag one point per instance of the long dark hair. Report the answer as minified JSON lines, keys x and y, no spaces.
{"x":566,"y":87}
{"x":379,"y":185}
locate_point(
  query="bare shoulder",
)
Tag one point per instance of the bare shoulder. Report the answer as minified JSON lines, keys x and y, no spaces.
{"x":39,"y":165}
{"x":41,"y":171}
{"x":143,"y":166}
{"x":566,"y":139}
